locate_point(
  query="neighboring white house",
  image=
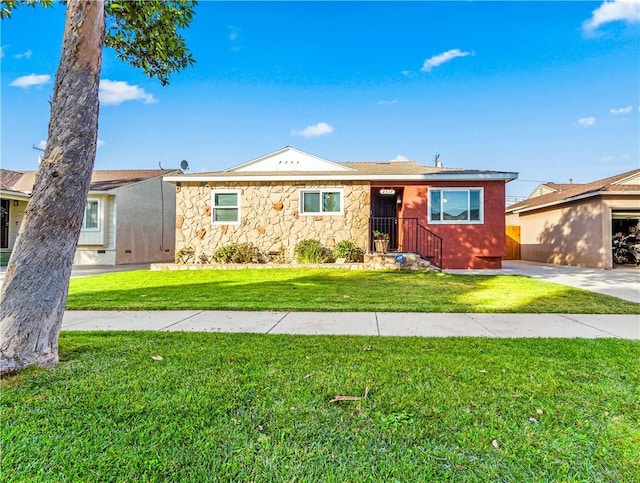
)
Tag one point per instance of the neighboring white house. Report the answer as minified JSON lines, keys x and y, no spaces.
{"x":129,"y":218}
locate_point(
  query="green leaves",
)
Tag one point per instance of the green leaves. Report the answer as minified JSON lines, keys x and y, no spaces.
{"x":145,"y":34}
{"x":9,"y":5}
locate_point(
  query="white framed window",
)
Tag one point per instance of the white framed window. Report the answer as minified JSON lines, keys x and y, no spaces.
{"x":321,"y":202}
{"x":456,"y":205}
{"x":225,"y":207}
{"x":91,"y":220}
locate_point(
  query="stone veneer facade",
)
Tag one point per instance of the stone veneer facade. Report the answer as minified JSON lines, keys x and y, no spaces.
{"x":270,"y":217}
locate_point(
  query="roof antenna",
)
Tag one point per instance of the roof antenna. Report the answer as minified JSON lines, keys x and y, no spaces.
{"x":436,"y":161}
{"x":40,"y":156}
{"x":160,"y":164}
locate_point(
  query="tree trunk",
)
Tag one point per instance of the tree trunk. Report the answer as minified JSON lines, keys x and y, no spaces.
{"x":36,"y":284}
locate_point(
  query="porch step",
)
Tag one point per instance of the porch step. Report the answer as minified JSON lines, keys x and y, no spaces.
{"x":389,"y":261}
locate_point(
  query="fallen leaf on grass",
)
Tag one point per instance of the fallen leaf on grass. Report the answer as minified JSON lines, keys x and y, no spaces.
{"x":539,"y":411}
{"x":345,"y":398}
{"x":157,"y":358}
{"x":495,"y":444}
{"x":351,"y":398}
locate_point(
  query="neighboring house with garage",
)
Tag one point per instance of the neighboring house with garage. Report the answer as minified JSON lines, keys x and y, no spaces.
{"x":453,"y":217}
{"x":573,"y":224}
{"x":129,"y":217}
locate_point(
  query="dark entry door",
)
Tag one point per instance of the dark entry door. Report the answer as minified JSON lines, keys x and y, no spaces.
{"x":4,"y":224}
{"x":384,"y":214}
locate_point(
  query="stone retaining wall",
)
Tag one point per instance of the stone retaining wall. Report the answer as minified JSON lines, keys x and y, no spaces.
{"x":372,"y":261}
{"x":387,"y":261}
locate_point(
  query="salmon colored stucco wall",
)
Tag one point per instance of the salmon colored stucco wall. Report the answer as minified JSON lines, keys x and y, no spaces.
{"x":464,"y":246}
{"x":576,"y":233}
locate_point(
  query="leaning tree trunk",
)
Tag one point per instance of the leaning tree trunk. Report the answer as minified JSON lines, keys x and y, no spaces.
{"x":36,"y":283}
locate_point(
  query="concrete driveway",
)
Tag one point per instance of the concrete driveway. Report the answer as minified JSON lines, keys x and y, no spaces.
{"x":622,"y":282}
{"x":87,"y":270}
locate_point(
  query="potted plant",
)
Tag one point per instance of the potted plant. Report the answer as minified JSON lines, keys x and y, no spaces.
{"x":381,"y":241}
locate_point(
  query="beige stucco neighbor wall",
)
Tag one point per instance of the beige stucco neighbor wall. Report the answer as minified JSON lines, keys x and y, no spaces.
{"x":576,"y":234}
{"x":270,"y":217}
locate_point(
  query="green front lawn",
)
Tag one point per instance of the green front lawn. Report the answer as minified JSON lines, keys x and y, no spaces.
{"x":241,"y":407}
{"x":334,"y":290}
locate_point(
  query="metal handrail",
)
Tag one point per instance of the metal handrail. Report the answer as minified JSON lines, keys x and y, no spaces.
{"x":407,"y":235}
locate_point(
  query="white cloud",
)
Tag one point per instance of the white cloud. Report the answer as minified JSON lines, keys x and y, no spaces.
{"x":234,"y":32}
{"x":2,"y":47}
{"x":25,"y":55}
{"x":622,"y":110}
{"x":617,"y":10}
{"x":406,"y":73}
{"x":587,"y":121}
{"x":27,"y":81}
{"x":100,"y":143}
{"x":606,"y":158}
{"x":440,"y":59}
{"x":400,"y":157}
{"x":393,"y":101}
{"x":117,"y":92}
{"x":315,"y":130}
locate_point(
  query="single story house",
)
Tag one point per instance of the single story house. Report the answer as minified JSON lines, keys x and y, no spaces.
{"x":573,"y":224}
{"x":453,"y":217}
{"x":129,"y":218}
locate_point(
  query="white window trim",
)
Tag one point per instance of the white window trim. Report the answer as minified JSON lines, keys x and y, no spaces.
{"x":301,"y":211}
{"x":215,"y":192}
{"x":84,"y":217}
{"x":456,"y":222}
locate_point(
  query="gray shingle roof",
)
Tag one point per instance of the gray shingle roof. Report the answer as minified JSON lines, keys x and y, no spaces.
{"x":101,"y":180}
{"x":391,"y":168}
{"x":573,"y":191}
{"x":9,"y":178}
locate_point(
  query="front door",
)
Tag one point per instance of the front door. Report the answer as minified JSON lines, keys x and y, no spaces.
{"x":384,"y":214}
{"x":4,"y":223}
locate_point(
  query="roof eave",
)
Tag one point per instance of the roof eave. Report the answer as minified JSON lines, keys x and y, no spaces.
{"x":560,"y":202}
{"x":499,"y":176}
{"x":15,"y":195}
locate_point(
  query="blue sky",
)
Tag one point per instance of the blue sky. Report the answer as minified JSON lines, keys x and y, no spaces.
{"x":550,"y":90}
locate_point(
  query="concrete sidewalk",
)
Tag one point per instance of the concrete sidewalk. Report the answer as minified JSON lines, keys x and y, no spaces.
{"x":363,"y":323}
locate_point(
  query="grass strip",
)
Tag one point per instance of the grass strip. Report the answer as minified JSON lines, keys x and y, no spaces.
{"x":244,"y":407}
{"x":334,"y":290}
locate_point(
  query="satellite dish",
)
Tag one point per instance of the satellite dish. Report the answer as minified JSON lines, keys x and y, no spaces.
{"x":184,"y":165}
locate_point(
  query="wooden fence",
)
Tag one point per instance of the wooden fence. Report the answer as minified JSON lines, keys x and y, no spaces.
{"x":512,"y":243}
